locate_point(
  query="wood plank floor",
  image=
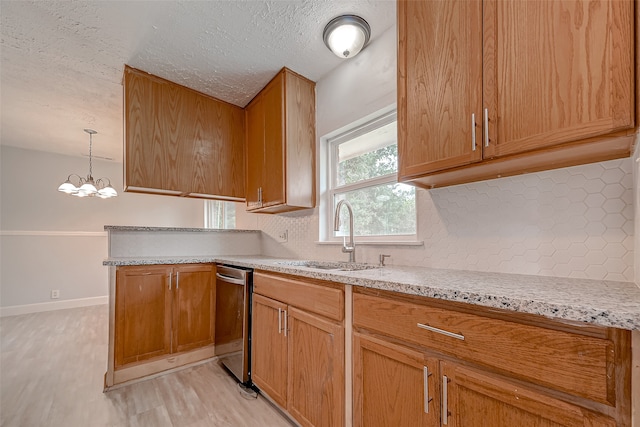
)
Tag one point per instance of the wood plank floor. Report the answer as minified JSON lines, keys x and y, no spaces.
{"x":51,"y":374}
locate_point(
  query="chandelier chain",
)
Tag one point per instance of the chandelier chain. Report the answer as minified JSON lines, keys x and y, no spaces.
{"x":90,"y":163}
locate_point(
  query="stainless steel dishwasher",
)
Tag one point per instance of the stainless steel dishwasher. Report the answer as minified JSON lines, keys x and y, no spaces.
{"x":234,"y":286}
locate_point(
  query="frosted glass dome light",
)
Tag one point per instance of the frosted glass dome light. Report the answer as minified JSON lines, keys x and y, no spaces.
{"x":346,"y":35}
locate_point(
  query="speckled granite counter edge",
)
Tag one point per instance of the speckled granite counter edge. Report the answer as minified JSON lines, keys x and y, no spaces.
{"x":618,"y":318}
{"x":117,"y":262}
{"x":190,"y":230}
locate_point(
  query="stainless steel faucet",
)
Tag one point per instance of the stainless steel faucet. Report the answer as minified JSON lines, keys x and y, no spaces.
{"x":351,"y":248}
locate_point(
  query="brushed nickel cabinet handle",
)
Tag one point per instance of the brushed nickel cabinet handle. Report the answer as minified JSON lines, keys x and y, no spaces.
{"x":170,"y":280}
{"x":426,"y":389}
{"x":473,"y":131}
{"x":279,"y":320}
{"x":285,"y":322}
{"x":177,"y":280}
{"x":441,"y":331}
{"x":486,"y":127}
{"x":445,"y":412}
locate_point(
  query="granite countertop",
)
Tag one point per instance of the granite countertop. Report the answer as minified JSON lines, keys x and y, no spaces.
{"x":599,"y":302}
{"x":181,"y":229}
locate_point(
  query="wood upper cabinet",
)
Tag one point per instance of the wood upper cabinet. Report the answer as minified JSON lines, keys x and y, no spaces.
{"x":280,"y":145}
{"x":500,"y":87}
{"x":162,"y":309}
{"x":181,"y":142}
{"x":298,"y":355}
{"x":439,"y":85}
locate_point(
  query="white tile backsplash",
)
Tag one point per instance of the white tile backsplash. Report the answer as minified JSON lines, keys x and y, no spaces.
{"x":572,"y":222}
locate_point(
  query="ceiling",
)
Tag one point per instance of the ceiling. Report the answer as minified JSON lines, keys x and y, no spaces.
{"x":61,"y":62}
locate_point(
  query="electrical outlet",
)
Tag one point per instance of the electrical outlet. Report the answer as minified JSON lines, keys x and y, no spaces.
{"x":55,"y":293}
{"x":283,"y":237}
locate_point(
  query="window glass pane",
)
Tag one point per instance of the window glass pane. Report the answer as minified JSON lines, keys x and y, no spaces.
{"x":368,"y":156}
{"x":229,"y":215}
{"x":388,"y":209}
{"x":219,"y":214}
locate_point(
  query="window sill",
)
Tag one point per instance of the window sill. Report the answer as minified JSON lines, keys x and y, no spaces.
{"x":376,"y":243}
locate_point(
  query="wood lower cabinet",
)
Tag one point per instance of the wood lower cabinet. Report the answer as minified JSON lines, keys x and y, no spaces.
{"x":298,"y":355}
{"x":422,"y":362}
{"x":143,"y":314}
{"x":269,"y":348}
{"x":316,"y":369}
{"x":472,"y":398}
{"x":393,"y":385}
{"x":163,"y":316}
{"x":181,"y":142}
{"x":490,"y":88}
{"x":193,"y":307}
{"x":280,"y":145}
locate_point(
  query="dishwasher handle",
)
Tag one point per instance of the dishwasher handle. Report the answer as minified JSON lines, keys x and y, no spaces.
{"x":230,"y":279}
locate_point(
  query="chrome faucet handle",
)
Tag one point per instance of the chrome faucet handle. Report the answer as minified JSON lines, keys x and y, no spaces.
{"x":382,"y":257}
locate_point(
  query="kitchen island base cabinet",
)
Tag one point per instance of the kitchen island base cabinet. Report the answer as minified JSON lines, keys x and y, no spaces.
{"x":143,"y":314}
{"x":298,"y":355}
{"x":161,"y":318}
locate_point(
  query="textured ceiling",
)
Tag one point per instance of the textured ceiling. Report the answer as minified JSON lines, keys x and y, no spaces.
{"x":61,"y":62}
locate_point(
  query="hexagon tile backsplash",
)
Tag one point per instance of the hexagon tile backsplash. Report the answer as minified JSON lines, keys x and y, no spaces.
{"x":572,"y":222}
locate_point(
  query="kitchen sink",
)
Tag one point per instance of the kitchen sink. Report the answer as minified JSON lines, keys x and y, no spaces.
{"x":330,"y":265}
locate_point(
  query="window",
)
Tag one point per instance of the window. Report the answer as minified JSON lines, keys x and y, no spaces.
{"x":362,"y":164}
{"x":219,"y":214}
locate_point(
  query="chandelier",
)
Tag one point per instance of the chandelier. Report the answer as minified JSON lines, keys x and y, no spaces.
{"x":88,"y":187}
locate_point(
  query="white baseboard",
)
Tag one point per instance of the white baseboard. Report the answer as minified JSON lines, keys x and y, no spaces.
{"x":15,"y":310}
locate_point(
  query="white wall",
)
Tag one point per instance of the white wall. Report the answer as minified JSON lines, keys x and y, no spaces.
{"x":573,"y":222}
{"x":51,"y":240}
{"x":636,"y":197}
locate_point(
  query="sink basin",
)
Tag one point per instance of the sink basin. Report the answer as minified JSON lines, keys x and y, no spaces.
{"x":330,"y":265}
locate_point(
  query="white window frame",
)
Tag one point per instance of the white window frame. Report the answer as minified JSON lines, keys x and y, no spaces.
{"x":331,"y":188}
{"x":210,"y":213}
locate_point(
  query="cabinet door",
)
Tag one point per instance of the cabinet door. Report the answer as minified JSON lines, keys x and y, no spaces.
{"x":439,"y":85}
{"x":269,"y":348}
{"x":556,"y":71}
{"x":143,"y":313}
{"x":179,"y":141}
{"x":471,"y":398}
{"x":255,"y":151}
{"x":316,"y":370}
{"x":193,"y":307}
{"x":273,"y":191}
{"x":151,"y":157}
{"x":393,"y":385}
{"x":218,"y":149}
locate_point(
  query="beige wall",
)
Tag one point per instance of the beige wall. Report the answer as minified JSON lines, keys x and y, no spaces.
{"x":54,"y":241}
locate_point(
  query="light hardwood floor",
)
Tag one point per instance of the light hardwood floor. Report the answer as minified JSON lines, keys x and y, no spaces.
{"x":51,"y":374}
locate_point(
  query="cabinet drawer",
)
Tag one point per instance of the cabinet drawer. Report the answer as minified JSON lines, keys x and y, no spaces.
{"x":324,"y":300}
{"x":569,"y":362}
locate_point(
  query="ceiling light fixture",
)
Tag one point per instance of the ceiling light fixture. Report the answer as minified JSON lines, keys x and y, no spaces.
{"x":88,"y":187}
{"x":346,"y":35}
